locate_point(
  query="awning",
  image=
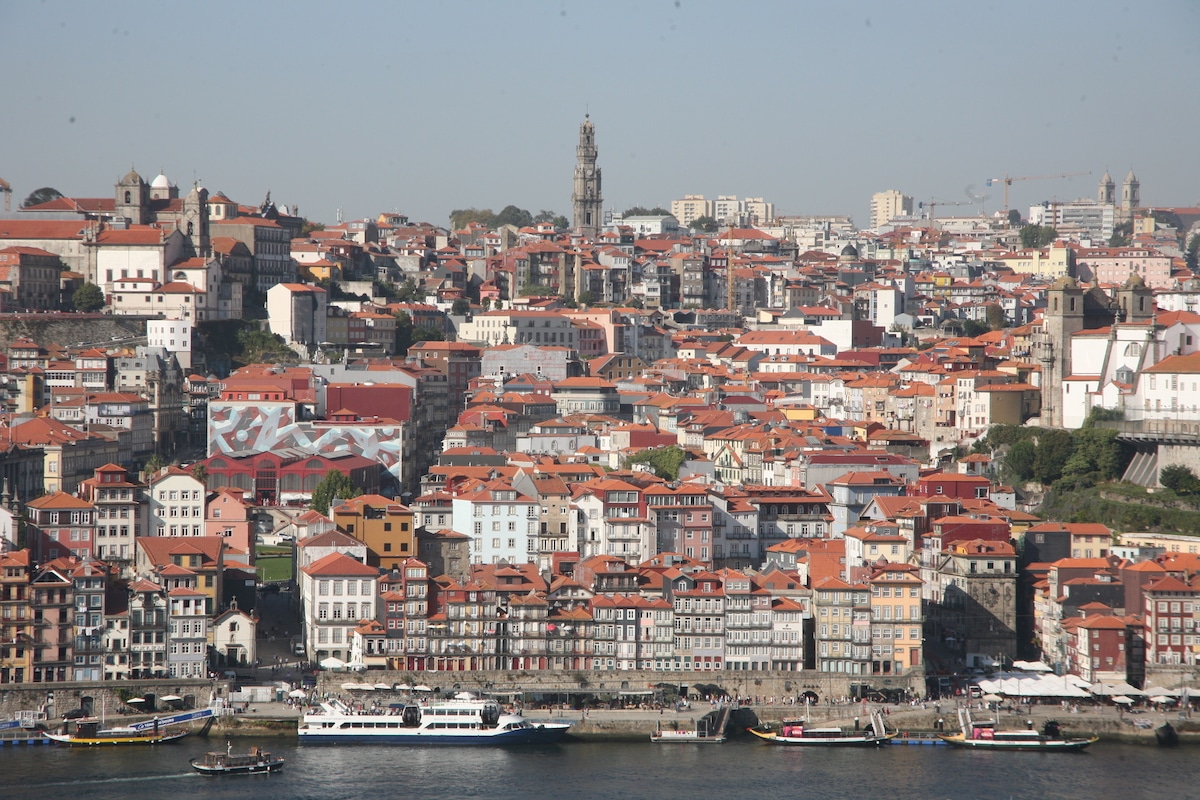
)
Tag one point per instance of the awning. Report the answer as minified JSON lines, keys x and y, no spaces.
{"x":333,"y":662}
{"x":297,"y":693}
{"x":1122,"y":699}
{"x":422,"y":688}
{"x":136,"y":700}
{"x":171,"y":698}
{"x":356,"y":687}
{"x":383,"y":687}
{"x":1162,"y":698}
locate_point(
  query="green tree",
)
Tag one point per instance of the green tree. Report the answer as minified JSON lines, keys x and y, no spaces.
{"x":88,"y":297}
{"x":1034,"y":236}
{"x":404,"y":332}
{"x":461,"y":307}
{"x":1053,"y":453}
{"x":309,"y":227}
{"x":42,"y":195}
{"x":586,"y":297}
{"x":334,"y":486}
{"x":200,"y":473}
{"x":995,"y":316}
{"x":1018,"y":462}
{"x":642,"y":211}
{"x":972,"y":328}
{"x":665,"y":461}
{"x":536,"y":290}
{"x":705,"y":224}
{"x":1192,"y":253}
{"x":263,"y":347}
{"x":511,"y":215}
{"x":1179,"y":479}
{"x":557,"y":220}
{"x":1121,"y":234}
{"x":462,"y":217}
{"x":1014,"y":217}
{"x":428,"y":333}
{"x":153,"y":464}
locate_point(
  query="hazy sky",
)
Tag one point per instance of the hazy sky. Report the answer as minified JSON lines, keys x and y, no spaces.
{"x":428,"y":106}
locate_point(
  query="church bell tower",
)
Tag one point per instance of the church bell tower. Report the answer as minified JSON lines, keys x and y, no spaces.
{"x":587,"y":204}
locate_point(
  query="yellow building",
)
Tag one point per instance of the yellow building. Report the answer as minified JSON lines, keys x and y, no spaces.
{"x":896,"y":621}
{"x":383,"y":525}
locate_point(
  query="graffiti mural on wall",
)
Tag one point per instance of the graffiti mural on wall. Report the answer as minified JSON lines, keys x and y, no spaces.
{"x":235,"y":429}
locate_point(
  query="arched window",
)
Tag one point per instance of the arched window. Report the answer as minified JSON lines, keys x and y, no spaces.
{"x":128,"y":198}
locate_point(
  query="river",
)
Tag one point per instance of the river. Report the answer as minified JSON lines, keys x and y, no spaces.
{"x":609,"y":771}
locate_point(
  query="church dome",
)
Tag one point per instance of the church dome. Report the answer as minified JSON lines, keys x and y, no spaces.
{"x":132,"y":177}
{"x":161,"y":182}
{"x":850,"y":251}
{"x":1135,"y":282}
{"x":1065,"y":282}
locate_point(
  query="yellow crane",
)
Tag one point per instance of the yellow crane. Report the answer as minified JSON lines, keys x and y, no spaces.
{"x":1007,"y":180}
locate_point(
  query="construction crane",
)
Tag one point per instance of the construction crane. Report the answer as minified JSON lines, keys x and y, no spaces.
{"x":933,"y":203}
{"x":1008,"y":181}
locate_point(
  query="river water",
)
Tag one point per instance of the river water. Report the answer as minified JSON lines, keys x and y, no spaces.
{"x":609,"y":771}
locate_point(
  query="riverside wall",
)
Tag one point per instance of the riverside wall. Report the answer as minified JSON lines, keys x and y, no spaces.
{"x":60,"y":698}
{"x":752,"y":684}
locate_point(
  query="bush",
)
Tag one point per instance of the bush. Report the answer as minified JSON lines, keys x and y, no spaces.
{"x":1179,"y":479}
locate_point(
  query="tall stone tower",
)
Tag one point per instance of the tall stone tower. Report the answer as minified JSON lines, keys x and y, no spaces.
{"x":1107,"y":192}
{"x":1064,"y":316}
{"x":587,"y":204}
{"x":1131,"y":196}
{"x":194,"y":222}
{"x":132,"y":199}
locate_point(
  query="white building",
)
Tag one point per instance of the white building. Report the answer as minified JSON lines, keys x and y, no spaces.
{"x":172,"y":335}
{"x":176,"y":503}
{"x":336,"y":592}
{"x":886,"y":206}
{"x":233,"y":637}
{"x":502,"y":523}
{"x":297,"y":312}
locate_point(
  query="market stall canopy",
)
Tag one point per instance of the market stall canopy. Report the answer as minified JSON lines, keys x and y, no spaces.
{"x":297,"y":693}
{"x":333,"y":662}
{"x":1031,"y":666}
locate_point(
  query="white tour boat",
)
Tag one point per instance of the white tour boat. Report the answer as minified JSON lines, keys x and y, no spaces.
{"x":454,"y":722}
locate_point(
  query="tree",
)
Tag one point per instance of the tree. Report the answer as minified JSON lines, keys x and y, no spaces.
{"x":1034,"y":236}
{"x":586,"y":297}
{"x":557,"y":220}
{"x":1121,"y":234}
{"x":665,"y":461}
{"x":642,"y":211}
{"x":462,"y":217}
{"x":1192,"y":253}
{"x":705,"y":224}
{"x":1018,"y":462}
{"x":334,"y":486}
{"x":461,"y":307}
{"x":1014,"y":217}
{"x":1179,"y":479}
{"x":42,"y":195}
{"x":200,"y":473}
{"x":309,"y":227}
{"x":972,"y":328}
{"x":1053,"y":453}
{"x":88,"y":297}
{"x":153,"y":464}
{"x":511,"y":215}
{"x":995,"y":316}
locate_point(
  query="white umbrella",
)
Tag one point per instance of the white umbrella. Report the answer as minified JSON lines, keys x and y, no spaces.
{"x":1122,"y":699}
{"x":1162,"y":698}
{"x":422,"y":688}
{"x":992,"y":698}
{"x":297,"y":693}
{"x":333,"y":662}
{"x":383,"y":687}
{"x":1161,"y":691}
{"x":136,"y":700}
{"x":356,"y":687}
{"x":170,"y":698}
{"x":402,"y":687}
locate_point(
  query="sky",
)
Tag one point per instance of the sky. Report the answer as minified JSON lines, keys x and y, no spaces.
{"x":424,"y":107}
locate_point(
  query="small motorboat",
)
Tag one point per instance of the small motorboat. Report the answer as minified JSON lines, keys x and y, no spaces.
{"x":253,"y":762}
